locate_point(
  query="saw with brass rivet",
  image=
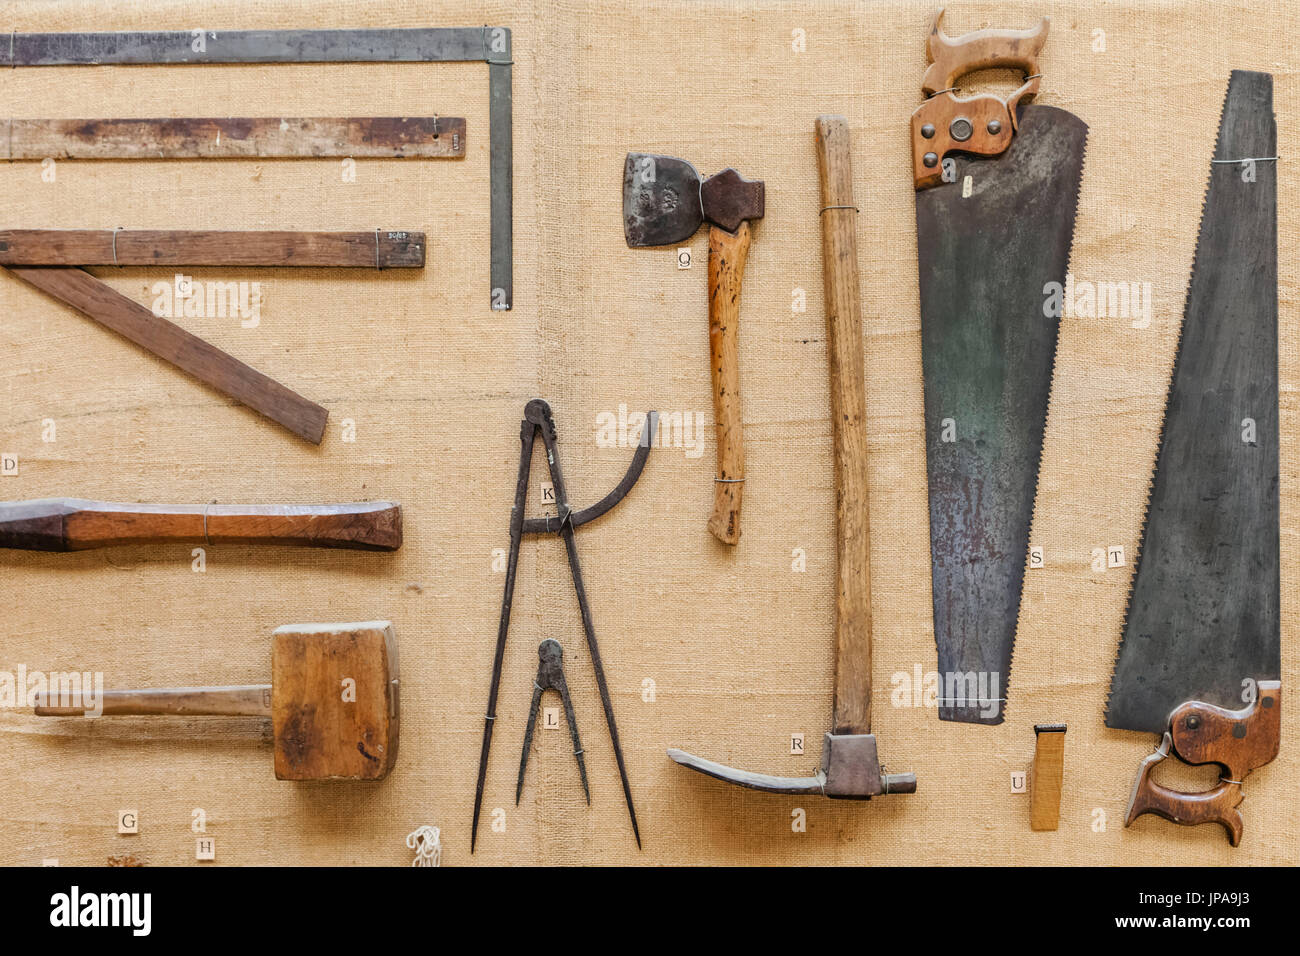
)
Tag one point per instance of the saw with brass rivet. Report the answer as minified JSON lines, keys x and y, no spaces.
{"x":997,"y":186}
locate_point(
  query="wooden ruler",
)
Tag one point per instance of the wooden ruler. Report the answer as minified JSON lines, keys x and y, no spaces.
{"x":182,"y":349}
{"x":490,"y":45}
{"x":178,"y":247}
{"x":426,"y":137}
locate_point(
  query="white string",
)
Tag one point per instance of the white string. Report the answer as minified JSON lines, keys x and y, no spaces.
{"x":426,"y":841}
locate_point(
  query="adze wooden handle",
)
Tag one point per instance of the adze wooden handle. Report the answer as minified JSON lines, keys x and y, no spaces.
{"x":852,"y":709}
{"x":728,"y":252}
{"x":74,"y":524}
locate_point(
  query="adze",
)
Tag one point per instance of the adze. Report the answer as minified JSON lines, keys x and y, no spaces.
{"x":320,"y":733}
{"x":1200,"y":661}
{"x":665,"y":200}
{"x":850,"y":767}
{"x":537,"y":418}
{"x":997,"y":185}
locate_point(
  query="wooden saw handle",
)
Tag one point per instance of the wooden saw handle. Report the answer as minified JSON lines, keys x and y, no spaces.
{"x":951,"y":58}
{"x":728,"y":252}
{"x":983,"y":124}
{"x":74,"y":524}
{"x":1239,"y":741}
{"x":852,"y":708}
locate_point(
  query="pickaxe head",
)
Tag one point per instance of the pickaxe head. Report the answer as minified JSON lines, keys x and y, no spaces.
{"x":851,"y":770}
{"x":666,"y":201}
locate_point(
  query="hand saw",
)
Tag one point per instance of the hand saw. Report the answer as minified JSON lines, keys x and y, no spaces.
{"x":1200,"y":659}
{"x":997,"y":185}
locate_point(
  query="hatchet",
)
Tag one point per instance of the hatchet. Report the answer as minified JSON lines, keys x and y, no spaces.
{"x":850,"y":767}
{"x":665,"y":201}
{"x":332,"y":700}
{"x":74,"y":524}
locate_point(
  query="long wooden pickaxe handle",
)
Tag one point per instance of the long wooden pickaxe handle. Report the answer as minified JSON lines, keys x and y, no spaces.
{"x":74,"y":524}
{"x":852,"y":709}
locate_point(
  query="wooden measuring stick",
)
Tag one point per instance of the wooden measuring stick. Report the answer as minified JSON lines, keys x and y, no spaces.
{"x":209,"y":137}
{"x":182,"y":247}
{"x":182,"y":349}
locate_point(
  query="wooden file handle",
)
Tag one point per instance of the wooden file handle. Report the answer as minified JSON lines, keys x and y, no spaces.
{"x":728,"y":252}
{"x":1239,"y":741}
{"x":73,"y":524}
{"x":253,"y":700}
{"x":852,"y":708}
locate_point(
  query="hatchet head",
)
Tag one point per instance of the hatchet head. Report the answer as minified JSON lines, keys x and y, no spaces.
{"x":334,"y":701}
{"x":665,"y":200}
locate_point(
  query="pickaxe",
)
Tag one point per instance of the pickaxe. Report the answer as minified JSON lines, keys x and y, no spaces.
{"x":850,"y":767}
{"x":665,"y":200}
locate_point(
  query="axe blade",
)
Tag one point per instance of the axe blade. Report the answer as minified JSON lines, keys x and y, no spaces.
{"x":661,"y":200}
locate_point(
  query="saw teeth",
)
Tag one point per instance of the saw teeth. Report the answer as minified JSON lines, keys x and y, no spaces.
{"x":1164,"y":410}
{"x":1047,"y":419}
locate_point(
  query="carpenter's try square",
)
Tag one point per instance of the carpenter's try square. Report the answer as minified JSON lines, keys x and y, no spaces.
{"x":490,"y":45}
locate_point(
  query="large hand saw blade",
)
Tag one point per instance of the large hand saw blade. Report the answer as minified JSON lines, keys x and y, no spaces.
{"x":991,"y":242}
{"x":1203,"y":616}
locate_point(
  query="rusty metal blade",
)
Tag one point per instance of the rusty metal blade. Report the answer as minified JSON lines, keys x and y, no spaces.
{"x":768,"y":783}
{"x":988,"y":249}
{"x":1203,"y":621}
{"x":661,"y":200}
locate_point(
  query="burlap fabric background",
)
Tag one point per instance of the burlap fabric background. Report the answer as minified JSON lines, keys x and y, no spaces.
{"x":723,"y":652}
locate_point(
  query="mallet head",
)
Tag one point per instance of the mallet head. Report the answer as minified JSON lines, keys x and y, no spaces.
{"x":334,"y":701}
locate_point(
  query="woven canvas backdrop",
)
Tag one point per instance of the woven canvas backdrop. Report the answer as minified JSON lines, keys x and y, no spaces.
{"x":722,"y":652}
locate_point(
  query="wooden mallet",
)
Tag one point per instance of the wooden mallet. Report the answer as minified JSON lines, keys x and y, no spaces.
{"x":332,"y":700}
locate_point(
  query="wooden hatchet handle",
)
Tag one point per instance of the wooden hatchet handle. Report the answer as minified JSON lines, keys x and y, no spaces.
{"x":253,"y":700}
{"x":728,"y":252}
{"x":852,"y":708}
{"x":73,"y":524}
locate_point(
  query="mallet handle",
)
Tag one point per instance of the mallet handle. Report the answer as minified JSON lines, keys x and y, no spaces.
{"x":852,"y":709}
{"x":74,"y":524}
{"x":728,"y":252}
{"x":248,"y":701}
